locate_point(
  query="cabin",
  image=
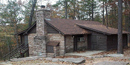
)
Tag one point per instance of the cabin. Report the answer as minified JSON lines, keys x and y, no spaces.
{"x":52,"y":37}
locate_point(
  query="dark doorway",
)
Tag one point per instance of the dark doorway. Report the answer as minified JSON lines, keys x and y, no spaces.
{"x":75,"y":43}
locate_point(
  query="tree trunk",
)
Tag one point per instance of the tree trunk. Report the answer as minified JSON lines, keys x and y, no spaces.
{"x":16,"y":36}
{"x":103,"y":14}
{"x":120,"y":46}
{"x":15,"y":29}
{"x":32,"y":12}
{"x":89,"y":14}
{"x":78,"y":13}
{"x":126,"y":18}
{"x":128,"y":25}
{"x":74,"y":9}
{"x":92,"y":11}
{"x":66,"y":9}
{"x":128,"y":2}
{"x":106,"y":16}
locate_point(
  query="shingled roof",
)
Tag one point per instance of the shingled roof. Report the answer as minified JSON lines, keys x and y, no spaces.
{"x":101,"y":29}
{"x":74,"y":27}
{"x":67,"y":26}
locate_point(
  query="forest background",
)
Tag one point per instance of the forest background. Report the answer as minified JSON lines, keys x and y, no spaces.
{"x":15,"y":15}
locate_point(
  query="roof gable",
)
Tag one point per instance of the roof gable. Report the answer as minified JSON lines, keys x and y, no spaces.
{"x":24,"y":32}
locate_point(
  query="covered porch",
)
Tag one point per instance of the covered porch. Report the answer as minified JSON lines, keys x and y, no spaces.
{"x":74,"y":43}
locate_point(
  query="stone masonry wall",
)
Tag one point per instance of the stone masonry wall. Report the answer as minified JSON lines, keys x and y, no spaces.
{"x":40,"y":26}
{"x":60,"y":38}
{"x":31,"y":44}
{"x":39,"y":47}
{"x":69,"y":43}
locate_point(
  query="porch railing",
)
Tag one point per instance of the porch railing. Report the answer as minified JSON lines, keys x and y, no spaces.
{"x":16,"y":53}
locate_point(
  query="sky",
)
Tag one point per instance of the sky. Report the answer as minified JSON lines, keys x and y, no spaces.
{"x":46,"y":1}
{"x":39,"y":2}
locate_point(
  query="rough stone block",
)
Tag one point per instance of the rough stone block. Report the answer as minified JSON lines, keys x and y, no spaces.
{"x":111,"y":63}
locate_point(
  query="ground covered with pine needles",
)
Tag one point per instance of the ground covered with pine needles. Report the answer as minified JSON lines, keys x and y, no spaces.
{"x":89,"y":61}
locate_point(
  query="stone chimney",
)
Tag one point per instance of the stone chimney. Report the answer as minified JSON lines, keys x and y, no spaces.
{"x":40,"y":38}
{"x":40,"y":16}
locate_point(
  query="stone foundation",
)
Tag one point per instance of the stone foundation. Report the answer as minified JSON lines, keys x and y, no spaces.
{"x":50,"y":55}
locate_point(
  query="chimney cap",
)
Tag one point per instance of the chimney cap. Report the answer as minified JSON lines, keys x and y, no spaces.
{"x":42,"y":6}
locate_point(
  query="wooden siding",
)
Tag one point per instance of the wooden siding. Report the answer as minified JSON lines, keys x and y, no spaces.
{"x":125,"y":40}
{"x":98,"y":41}
{"x":51,"y":29}
{"x":112,"y":41}
{"x":89,"y":42}
{"x":33,"y":30}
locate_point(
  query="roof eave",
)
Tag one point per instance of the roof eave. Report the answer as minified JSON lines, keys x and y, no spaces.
{"x":105,"y":33}
{"x":78,"y":34}
{"x":28,"y":29}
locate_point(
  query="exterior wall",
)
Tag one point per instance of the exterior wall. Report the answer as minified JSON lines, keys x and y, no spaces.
{"x":50,"y":54}
{"x":112,"y":41}
{"x":69,"y":43}
{"x":128,"y":40}
{"x":82,"y":45}
{"x":125,"y":40}
{"x":33,"y":30}
{"x":60,"y":38}
{"x":51,"y":29}
{"x":98,"y":41}
{"x":31,"y":44}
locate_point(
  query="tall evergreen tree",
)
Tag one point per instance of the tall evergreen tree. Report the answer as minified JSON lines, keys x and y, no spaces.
{"x":76,"y":9}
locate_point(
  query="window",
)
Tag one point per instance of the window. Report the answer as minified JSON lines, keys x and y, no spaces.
{"x":80,"y":38}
